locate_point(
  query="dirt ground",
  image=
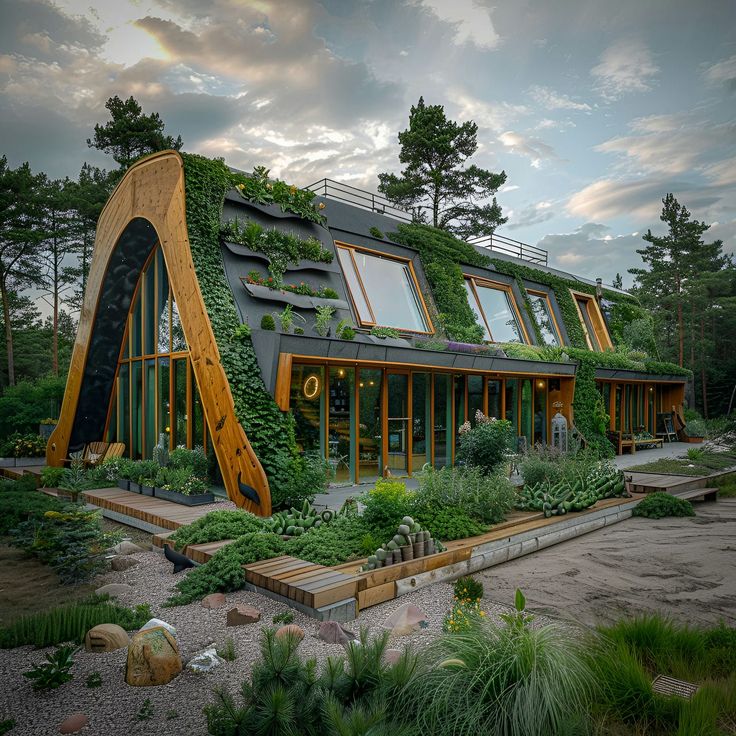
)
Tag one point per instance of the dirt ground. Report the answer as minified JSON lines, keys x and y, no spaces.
{"x":682,"y":567}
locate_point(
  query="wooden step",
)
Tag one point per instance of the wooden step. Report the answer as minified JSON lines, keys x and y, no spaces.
{"x":698,"y":494}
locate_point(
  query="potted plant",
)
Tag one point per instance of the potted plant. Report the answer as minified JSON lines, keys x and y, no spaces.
{"x":185,"y":488}
{"x":46,"y":427}
{"x":146,"y":473}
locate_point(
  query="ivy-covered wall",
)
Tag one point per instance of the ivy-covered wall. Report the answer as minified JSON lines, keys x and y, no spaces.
{"x":269,"y":430}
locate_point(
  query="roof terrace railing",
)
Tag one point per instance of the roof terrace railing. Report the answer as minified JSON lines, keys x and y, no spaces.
{"x":511,"y":247}
{"x":376,"y":203}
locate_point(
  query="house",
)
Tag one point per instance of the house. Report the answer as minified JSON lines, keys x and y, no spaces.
{"x":174,"y":334}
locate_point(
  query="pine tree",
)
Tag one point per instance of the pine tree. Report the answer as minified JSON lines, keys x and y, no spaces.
{"x":435,"y":184}
{"x":131,"y":134}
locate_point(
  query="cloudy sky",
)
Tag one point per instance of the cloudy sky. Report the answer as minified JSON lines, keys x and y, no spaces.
{"x":595,"y":109}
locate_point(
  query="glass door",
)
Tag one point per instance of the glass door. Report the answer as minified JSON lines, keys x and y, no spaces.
{"x":397,"y":417}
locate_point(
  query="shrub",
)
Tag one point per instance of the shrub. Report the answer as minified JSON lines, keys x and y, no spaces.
{"x":224,"y":571}
{"x":23,"y":445}
{"x":51,"y":477}
{"x":696,"y":428}
{"x":467,"y":589}
{"x":486,"y":498}
{"x":71,"y":622}
{"x":54,"y":672}
{"x":23,"y":406}
{"x":308,"y":476}
{"x":502,"y":679}
{"x":19,"y":506}
{"x":385,"y":506}
{"x":658,"y":505}
{"x":268,"y":322}
{"x":216,"y":526}
{"x":70,"y":539}
{"x":331,"y":544}
{"x":447,"y":523}
{"x":193,"y":460}
{"x":462,"y":616}
{"x":485,"y":445}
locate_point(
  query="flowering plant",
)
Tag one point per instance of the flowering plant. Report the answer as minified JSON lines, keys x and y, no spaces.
{"x":462,"y":615}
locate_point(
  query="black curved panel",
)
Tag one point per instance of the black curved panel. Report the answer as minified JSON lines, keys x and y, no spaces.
{"x":124,"y":269}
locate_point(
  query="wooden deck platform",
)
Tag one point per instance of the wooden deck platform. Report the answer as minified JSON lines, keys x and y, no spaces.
{"x":152,"y":511}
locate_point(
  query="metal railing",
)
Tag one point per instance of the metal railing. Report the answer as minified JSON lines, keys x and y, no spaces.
{"x":360,"y":198}
{"x":511,"y":247}
{"x":376,"y":203}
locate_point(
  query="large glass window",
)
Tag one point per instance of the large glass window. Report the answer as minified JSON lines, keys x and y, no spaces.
{"x":420,"y":442}
{"x":475,"y":397}
{"x":542,"y":311}
{"x":155,"y":391}
{"x":442,"y":419}
{"x":384,"y":290}
{"x":341,"y":438}
{"x":494,"y":399}
{"x":308,"y":408}
{"x":369,"y":428}
{"x":494,"y":303}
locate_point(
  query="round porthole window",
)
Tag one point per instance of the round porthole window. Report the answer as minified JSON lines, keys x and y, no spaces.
{"x":312,"y":386}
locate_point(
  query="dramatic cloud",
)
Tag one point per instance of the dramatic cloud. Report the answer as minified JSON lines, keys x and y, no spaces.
{"x":528,"y":146}
{"x":551,"y":100}
{"x":533,"y":214}
{"x":626,"y":66}
{"x":470,"y":18}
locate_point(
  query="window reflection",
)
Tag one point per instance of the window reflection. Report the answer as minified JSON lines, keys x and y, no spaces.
{"x":543,"y":318}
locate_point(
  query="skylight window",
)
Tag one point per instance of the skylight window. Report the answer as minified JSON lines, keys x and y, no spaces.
{"x":383,"y":290}
{"x":494,"y":305}
{"x":542,"y":310}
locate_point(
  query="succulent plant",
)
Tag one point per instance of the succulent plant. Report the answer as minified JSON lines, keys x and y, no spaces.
{"x":404,"y":530}
{"x":408,"y":521}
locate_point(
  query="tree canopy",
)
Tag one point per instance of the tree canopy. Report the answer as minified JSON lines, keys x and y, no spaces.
{"x":436,"y":184}
{"x":131,"y":134}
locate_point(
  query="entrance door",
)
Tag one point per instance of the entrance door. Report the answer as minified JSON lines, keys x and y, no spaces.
{"x":397,"y":417}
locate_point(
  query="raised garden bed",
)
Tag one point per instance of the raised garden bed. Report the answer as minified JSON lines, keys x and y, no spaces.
{"x":200,"y":499}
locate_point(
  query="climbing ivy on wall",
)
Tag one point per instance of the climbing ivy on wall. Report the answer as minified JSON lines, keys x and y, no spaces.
{"x":270,"y":431}
{"x":441,"y":254}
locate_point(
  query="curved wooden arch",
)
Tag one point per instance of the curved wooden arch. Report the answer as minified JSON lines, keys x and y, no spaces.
{"x":153,"y":190}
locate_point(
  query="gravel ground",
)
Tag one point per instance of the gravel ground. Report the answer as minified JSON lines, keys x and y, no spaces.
{"x":177,"y":707}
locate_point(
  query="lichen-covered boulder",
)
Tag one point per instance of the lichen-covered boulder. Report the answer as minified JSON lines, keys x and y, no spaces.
{"x":153,"y":658}
{"x":405,"y":619}
{"x":290,"y":631}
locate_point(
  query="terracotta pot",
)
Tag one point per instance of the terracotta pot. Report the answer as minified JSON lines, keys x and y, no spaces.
{"x":407,"y":553}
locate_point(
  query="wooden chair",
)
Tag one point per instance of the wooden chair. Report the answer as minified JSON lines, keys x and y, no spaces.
{"x":115,"y":449}
{"x":94,"y":453}
{"x":622,"y":443}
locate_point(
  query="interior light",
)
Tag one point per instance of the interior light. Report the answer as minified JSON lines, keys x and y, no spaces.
{"x":361,"y":384}
{"x":341,"y":372}
{"x":311,"y":387}
{"x":370,"y":383}
{"x":540,"y":384}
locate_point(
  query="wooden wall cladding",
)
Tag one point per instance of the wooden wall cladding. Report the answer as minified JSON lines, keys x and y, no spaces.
{"x":153,"y":189}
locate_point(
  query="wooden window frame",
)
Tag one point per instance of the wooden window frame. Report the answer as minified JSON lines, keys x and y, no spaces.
{"x":351,"y":249}
{"x":545,"y":295}
{"x":596,"y":319}
{"x":478,"y":281}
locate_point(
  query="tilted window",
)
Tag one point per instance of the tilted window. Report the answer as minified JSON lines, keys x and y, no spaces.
{"x":495,"y":308}
{"x":544,"y":317}
{"x":591,"y":319}
{"x":383,"y":290}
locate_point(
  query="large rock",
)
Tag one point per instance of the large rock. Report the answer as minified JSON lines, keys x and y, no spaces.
{"x":106,"y":638}
{"x":392,"y":656}
{"x":213,"y":600}
{"x":155,"y":623}
{"x":153,"y":658}
{"x":127,"y":548}
{"x":405,"y":619}
{"x":114,"y":589}
{"x":123,"y":562}
{"x":333,"y":633}
{"x":73,"y":723}
{"x":241,"y":615}
{"x":205,"y":661}
{"x":290,"y":630}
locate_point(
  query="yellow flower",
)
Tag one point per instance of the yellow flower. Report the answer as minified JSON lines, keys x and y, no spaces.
{"x":322,"y":205}
{"x":240,"y":187}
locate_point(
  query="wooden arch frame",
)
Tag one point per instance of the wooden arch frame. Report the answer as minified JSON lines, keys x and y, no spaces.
{"x":152,"y":190}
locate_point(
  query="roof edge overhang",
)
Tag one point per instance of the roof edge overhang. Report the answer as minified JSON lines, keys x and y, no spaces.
{"x":621,"y":374}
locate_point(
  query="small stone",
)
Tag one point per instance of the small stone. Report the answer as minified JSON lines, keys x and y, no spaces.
{"x":106,"y":638}
{"x":291,"y":630}
{"x":114,"y":589}
{"x":205,"y":661}
{"x":153,"y":658}
{"x":123,"y":563}
{"x":333,"y":633}
{"x":213,"y":600}
{"x":241,"y":615}
{"x":392,"y":656}
{"x":127,"y":548}
{"x":155,"y":623}
{"x":73,"y":723}
{"x":404,"y":620}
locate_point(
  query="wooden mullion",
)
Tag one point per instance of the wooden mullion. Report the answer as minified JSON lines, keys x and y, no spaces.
{"x":351,"y":251}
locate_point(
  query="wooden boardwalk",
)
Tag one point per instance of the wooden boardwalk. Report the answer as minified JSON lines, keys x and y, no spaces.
{"x":151,"y":510}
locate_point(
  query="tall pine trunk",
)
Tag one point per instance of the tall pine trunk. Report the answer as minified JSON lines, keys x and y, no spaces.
{"x":8,"y":334}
